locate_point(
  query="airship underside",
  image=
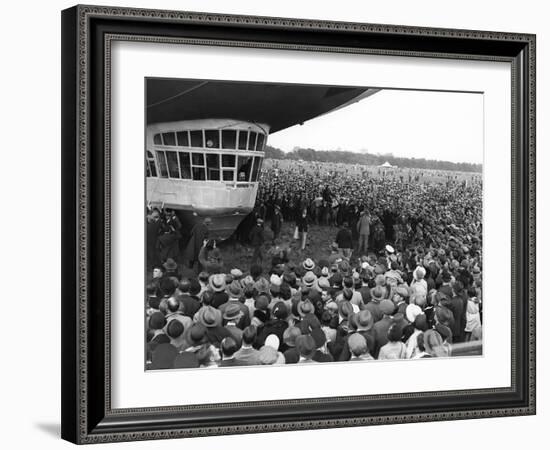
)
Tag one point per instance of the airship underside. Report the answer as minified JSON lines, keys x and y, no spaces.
{"x":205,"y":141}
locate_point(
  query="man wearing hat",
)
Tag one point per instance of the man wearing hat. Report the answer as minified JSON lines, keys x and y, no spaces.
{"x":231,"y":317}
{"x":195,"y":336}
{"x":217,"y":285}
{"x":309,"y":280}
{"x":291,"y":354}
{"x":171,"y":268}
{"x":212,"y":318}
{"x":380,"y":328}
{"x":377,"y":294}
{"x":345,"y":311}
{"x":256,"y":237}
{"x":363,"y":323}
{"x":321,"y":353}
{"x":236,"y":273}
{"x":305,"y":344}
{"x":235,"y":293}
{"x":399,"y":295}
{"x":308,"y":265}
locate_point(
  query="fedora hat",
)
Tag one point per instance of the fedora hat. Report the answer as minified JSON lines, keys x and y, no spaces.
{"x":309,"y":279}
{"x":378,"y":293}
{"x":217,"y":282}
{"x":209,"y":316}
{"x":364,"y":320}
{"x":235,"y":290}
{"x":305,"y":307}
{"x":232,"y":312}
{"x":345,"y":309}
{"x":308,"y":264}
{"x":305,"y":344}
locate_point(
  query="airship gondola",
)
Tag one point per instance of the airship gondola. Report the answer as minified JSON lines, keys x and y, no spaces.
{"x":205,"y":141}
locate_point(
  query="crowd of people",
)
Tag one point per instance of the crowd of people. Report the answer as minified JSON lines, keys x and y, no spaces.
{"x":401,"y":210}
{"x":402,"y":279}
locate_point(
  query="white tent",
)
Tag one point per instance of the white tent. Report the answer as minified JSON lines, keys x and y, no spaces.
{"x":387,"y":165}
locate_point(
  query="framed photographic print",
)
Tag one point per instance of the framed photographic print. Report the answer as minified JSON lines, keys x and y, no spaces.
{"x":279,"y":224}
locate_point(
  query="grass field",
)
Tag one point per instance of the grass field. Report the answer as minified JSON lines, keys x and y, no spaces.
{"x":428,"y":175}
{"x":318,"y":242}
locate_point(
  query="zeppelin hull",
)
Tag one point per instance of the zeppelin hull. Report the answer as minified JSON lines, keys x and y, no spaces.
{"x":225,"y":204}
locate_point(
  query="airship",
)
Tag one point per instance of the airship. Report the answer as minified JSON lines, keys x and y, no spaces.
{"x":205,"y":141}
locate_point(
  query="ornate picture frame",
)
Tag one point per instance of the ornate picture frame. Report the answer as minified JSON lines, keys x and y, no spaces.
{"x":87,"y":35}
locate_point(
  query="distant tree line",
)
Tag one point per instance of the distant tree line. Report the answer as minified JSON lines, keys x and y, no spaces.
{"x":368,"y":159}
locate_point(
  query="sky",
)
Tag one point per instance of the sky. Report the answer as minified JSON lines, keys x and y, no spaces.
{"x":445,"y":126}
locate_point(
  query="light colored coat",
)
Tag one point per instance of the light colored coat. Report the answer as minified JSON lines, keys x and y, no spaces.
{"x":363,"y":224}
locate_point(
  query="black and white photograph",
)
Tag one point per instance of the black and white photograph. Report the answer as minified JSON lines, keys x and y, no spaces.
{"x":337,"y":218}
{"x":305,"y":224}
